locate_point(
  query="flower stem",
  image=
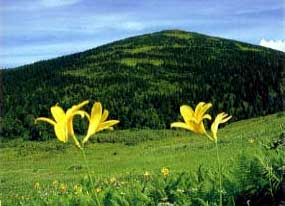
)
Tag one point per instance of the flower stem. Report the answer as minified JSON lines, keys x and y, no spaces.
{"x":220,"y":174}
{"x":76,"y":142}
{"x":87,"y":166}
{"x":89,"y":175}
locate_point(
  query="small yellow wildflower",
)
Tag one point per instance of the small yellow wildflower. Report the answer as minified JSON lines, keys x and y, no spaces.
{"x":62,"y":187}
{"x":37,"y":185}
{"x":112,"y":180}
{"x":146,"y":174}
{"x":98,"y":189}
{"x":164,"y":171}
{"x":193,"y":120}
{"x":55,"y":183}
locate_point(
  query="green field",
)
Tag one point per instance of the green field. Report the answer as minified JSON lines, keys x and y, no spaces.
{"x":128,"y":154}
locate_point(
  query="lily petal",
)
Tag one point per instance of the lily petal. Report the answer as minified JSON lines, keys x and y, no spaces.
{"x":75,"y":108}
{"x":70,"y":130}
{"x":60,"y":132}
{"x":181,"y":125}
{"x":186,"y":112}
{"x":220,"y":118}
{"x":58,"y":113}
{"x":82,"y":114}
{"x":207,"y":116}
{"x":44,"y":119}
{"x":225,"y":118}
{"x":96,"y":115}
{"x":70,"y":113}
{"x":205,"y":108}
{"x":199,"y":107}
{"x":107,"y":125}
{"x":104,"y":115}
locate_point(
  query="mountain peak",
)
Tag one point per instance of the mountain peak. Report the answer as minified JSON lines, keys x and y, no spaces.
{"x":174,"y":31}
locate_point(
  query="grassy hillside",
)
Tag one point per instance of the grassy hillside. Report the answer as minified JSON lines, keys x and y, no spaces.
{"x":143,"y":80}
{"x":123,"y":155}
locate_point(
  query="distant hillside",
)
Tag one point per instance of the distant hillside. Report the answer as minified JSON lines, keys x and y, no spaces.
{"x":143,"y":80}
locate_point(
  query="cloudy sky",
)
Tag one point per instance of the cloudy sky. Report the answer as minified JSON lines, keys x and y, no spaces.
{"x":32,"y":30}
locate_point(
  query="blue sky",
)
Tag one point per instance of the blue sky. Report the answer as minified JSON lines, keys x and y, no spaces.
{"x":32,"y":30}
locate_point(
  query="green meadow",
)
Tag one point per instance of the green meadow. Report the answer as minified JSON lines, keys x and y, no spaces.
{"x":142,"y":81}
{"x":125,"y":167}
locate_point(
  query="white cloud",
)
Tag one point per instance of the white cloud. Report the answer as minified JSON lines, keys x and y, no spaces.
{"x":57,"y":3}
{"x":277,"y":45}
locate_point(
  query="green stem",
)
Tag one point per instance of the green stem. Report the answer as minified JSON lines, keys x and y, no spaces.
{"x":87,"y":166}
{"x":76,"y":142}
{"x":220,"y":174}
{"x":89,"y":175}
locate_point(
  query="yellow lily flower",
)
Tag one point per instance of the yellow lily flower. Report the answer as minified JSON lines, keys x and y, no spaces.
{"x":220,"y":118}
{"x":63,"y":122}
{"x":97,"y":121}
{"x":193,"y":120}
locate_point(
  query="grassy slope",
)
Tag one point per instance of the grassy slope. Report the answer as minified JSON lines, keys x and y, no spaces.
{"x":24,"y":163}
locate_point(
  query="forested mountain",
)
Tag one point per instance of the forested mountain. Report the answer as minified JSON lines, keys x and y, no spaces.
{"x":143,"y":80}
